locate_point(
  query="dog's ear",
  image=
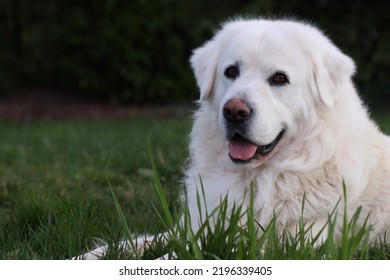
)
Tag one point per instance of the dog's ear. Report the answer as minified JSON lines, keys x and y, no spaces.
{"x":204,"y":64}
{"x":331,"y":68}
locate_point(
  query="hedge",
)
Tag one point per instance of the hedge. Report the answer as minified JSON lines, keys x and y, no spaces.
{"x":136,"y":52}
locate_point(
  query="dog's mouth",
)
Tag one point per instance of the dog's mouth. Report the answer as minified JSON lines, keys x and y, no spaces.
{"x":242,"y":150}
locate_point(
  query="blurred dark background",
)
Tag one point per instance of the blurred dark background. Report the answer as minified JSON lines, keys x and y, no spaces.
{"x":136,"y":52}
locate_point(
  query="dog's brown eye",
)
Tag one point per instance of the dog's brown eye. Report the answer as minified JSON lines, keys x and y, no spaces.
{"x":232,"y":72}
{"x":278,"y":79}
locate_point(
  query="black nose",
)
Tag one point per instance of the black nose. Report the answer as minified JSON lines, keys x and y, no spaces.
{"x":237,"y":111}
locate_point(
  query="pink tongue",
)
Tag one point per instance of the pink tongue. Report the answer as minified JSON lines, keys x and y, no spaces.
{"x":241,"y":149}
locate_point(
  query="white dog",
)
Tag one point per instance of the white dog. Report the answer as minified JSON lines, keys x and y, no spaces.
{"x":278,"y":110}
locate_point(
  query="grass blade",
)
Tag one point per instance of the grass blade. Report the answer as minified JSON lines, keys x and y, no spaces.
{"x":124,"y":222}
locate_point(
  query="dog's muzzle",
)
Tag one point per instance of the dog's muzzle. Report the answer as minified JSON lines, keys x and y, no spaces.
{"x":238,"y":114}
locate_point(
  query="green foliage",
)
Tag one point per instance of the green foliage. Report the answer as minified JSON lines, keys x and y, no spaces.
{"x":137,"y":51}
{"x":123,"y":51}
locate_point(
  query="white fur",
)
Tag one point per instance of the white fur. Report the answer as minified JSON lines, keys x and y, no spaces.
{"x":329,"y":137}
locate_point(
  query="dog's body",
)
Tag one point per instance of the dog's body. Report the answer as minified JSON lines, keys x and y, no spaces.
{"x":278,"y":111}
{"x":293,"y":81}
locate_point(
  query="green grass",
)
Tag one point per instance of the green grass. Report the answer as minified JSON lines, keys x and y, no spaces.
{"x":56,"y":179}
{"x":54,"y":194}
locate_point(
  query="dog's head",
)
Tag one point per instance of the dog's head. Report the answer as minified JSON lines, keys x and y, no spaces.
{"x":266,"y":78}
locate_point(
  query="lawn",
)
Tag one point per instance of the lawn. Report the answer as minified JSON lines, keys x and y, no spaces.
{"x":55,"y":180}
{"x":55,"y":176}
